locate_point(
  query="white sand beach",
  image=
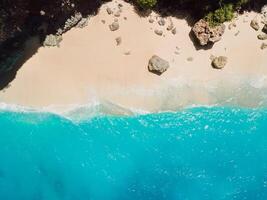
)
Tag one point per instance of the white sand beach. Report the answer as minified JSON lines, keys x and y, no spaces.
{"x":89,"y":65}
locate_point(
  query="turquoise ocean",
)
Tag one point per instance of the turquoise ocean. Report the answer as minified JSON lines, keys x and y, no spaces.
{"x":198,"y":153}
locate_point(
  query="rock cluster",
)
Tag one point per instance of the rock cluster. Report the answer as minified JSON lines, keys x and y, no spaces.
{"x":157,"y":65}
{"x":206,"y":34}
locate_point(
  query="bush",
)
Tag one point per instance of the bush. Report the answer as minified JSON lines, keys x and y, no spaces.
{"x":146,"y":4}
{"x":223,"y":14}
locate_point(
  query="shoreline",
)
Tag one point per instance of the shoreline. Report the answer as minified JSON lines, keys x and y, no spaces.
{"x":88,"y":64}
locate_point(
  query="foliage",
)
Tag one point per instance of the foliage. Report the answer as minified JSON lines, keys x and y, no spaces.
{"x":146,"y":4}
{"x":223,"y":14}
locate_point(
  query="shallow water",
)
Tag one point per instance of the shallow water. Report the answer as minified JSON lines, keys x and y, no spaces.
{"x":197,"y":153}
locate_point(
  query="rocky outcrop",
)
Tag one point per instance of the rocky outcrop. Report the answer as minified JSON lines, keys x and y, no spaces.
{"x":206,"y":34}
{"x":157,"y":65}
{"x":219,"y":62}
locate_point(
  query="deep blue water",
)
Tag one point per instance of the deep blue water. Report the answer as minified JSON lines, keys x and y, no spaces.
{"x":195,"y":154}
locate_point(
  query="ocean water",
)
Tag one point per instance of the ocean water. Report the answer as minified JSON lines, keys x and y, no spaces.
{"x":201,"y":153}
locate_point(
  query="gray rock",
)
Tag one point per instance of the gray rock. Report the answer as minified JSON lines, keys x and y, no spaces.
{"x":52,"y":40}
{"x":219,"y":62}
{"x":151,"y":20}
{"x":190,"y":59}
{"x":255,"y":24}
{"x":206,"y":34}
{"x":114,"y":26}
{"x":118,"y":41}
{"x":109,"y":10}
{"x":83,"y":23}
{"x":117,"y":14}
{"x":70,"y":23}
{"x":170,"y":26}
{"x":174,"y":31}
{"x":262,"y":36}
{"x":120,"y":5}
{"x":42,"y":13}
{"x":264,"y":29}
{"x":161,"y":22}
{"x":157,"y":65}
{"x":263,"y":46}
{"x":158,"y":32}
{"x":103,"y":21}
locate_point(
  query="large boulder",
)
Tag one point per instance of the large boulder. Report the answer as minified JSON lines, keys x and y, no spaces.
{"x":219,"y":62}
{"x":206,"y":34}
{"x":157,"y":65}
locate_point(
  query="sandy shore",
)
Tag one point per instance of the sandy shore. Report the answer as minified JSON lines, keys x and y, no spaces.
{"x":89,"y":65}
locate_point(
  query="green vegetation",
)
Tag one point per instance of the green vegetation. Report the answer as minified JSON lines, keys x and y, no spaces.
{"x":223,"y":14}
{"x":146,"y":4}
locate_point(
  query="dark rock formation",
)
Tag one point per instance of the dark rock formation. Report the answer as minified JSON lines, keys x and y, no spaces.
{"x":206,"y":34}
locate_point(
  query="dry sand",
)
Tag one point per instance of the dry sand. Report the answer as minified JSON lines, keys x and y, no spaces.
{"x":89,"y":65}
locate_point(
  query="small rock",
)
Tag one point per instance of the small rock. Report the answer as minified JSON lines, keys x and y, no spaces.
{"x":263,"y":46}
{"x":42,"y":13}
{"x":109,"y":11}
{"x":190,"y":59}
{"x":212,"y":57}
{"x":114,"y":26}
{"x":120,"y":5}
{"x":117,"y":14}
{"x":158,"y":32}
{"x":255,"y":24}
{"x":264,"y":29}
{"x":231,"y":25}
{"x":118,"y":41}
{"x":262,"y":36}
{"x":116,"y":20}
{"x":161,"y":22}
{"x":174,"y":31}
{"x":151,"y":20}
{"x":157,"y":65}
{"x":176,"y":52}
{"x":128,"y":52}
{"x":125,"y":18}
{"x":237,"y":33}
{"x":52,"y":40}
{"x":103,"y":21}
{"x":219,"y":62}
{"x":82,"y":23}
{"x":170,"y":27}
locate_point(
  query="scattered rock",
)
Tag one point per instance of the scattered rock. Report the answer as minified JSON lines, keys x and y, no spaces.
{"x":161,"y":22}
{"x":206,"y":34}
{"x":263,"y":46}
{"x":190,"y":59}
{"x":42,"y":13}
{"x":174,"y":31}
{"x":237,"y":33}
{"x":157,"y":65}
{"x":82,"y":23}
{"x":231,"y":25}
{"x":128,"y":52}
{"x":71,"y":22}
{"x":219,"y":62}
{"x":52,"y":40}
{"x":109,"y":11}
{"x":264,"y":29}
{"x":158,"y":32}
{"x":103,"y":21}
{"x":120,"y":5}
{"x":118,"y":41}
{"x":117,"y":14}
{"x":264,"y":14}
{"x":212,"y":57}
{"x":170,"y":26}
{"x":125,"y":18}
{"x":262,"y":36}
{"x":151,"y":20}
{"x":116,"y":20}
{"x":255,"y":24}
{"x":176,"y":52}
{"x":114,"y":26}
